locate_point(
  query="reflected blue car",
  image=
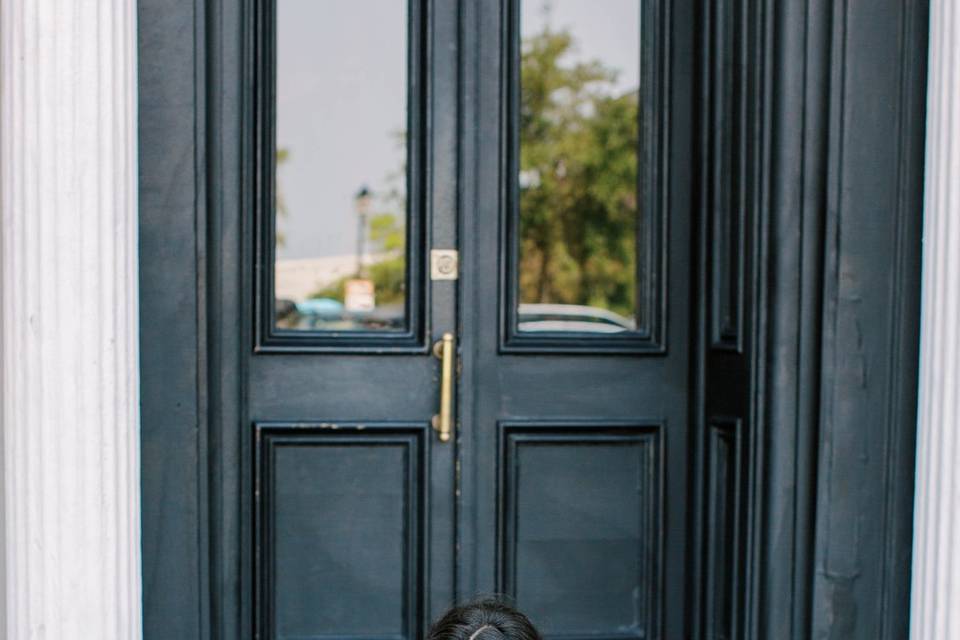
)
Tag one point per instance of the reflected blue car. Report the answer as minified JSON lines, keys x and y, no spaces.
{"x":318,"y":313}
{"x":323,"y":307}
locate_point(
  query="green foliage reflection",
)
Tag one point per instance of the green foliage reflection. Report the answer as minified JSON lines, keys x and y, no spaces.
{"x":578,"y":179}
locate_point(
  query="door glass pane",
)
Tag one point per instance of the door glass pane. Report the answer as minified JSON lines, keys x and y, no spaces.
{"x":578,"y":165}
{"x":341,"y":156}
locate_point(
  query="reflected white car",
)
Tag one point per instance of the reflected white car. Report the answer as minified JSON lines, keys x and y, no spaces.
{"x":536,"y":317}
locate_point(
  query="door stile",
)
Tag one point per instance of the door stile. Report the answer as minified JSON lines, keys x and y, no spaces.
{"x":442,"y":53}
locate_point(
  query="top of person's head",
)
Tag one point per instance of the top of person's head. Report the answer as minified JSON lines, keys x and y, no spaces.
{"x":487,"y":619}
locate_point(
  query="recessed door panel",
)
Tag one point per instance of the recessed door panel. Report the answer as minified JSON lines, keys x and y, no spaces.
{"x":339,"y":509}
{"x":581,"y":523}
{"x":723,"y":609}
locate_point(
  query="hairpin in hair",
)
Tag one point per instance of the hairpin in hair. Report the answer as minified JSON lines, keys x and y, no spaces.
{"x":474,"y":635}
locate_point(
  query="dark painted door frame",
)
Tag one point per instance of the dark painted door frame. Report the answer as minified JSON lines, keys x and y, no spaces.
{"x":812,"y":155}
{"x":809,"y":206}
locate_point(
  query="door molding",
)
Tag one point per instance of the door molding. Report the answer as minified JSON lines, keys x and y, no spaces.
{"x":823,"y":388}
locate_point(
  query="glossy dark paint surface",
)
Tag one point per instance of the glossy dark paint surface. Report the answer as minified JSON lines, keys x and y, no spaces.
{"x":787,"y":429}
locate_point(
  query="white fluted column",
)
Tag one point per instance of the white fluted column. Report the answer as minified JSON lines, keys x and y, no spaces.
{"x":69,"y":315}
{"x":935,"y":606}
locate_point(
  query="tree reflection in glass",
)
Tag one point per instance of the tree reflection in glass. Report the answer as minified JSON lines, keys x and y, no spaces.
{"x":579,"y":138}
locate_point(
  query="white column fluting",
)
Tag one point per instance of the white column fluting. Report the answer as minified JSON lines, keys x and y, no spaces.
{"x":68,"y":285}
{"x":935,"y":606}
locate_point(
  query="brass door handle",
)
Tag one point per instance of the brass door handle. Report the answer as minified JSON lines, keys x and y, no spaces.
{"x":445,"y":350}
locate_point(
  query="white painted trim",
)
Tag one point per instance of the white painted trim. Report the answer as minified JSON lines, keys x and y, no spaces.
{"x":935,"y":602}
{"x":69,"y":341}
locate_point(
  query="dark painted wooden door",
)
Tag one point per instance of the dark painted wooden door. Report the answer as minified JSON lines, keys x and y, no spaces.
{"x":659,"y":278}
{"x":378,"y":175}
{"x":529,"y":153}
{"x":548,"y":172}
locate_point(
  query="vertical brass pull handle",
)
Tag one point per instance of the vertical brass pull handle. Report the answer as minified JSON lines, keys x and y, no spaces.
{"x":445,"y":350}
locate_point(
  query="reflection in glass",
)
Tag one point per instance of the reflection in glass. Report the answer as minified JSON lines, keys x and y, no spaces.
{"x":579,"y":139}
{"x":341,"y":111}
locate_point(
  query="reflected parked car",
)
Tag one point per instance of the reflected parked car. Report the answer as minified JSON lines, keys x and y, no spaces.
{"x":317,"y":313}
{"x":329,"y":314}
{"x":322,"y":307}
{"x":540,"y":317}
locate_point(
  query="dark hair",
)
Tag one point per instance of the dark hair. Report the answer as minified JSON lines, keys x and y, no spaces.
{"x":487,"y":619}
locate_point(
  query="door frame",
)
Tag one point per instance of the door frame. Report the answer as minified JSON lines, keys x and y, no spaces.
{"x":822,"y":298}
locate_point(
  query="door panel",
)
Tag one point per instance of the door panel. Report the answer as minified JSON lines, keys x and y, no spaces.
{"x":290,"y":387}
{"x":340,"y":509}
{"x":725,"y":508}
{"x":580,"y":513}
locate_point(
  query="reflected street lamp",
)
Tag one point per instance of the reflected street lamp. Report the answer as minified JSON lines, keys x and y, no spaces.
{"x":361,"y":203}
